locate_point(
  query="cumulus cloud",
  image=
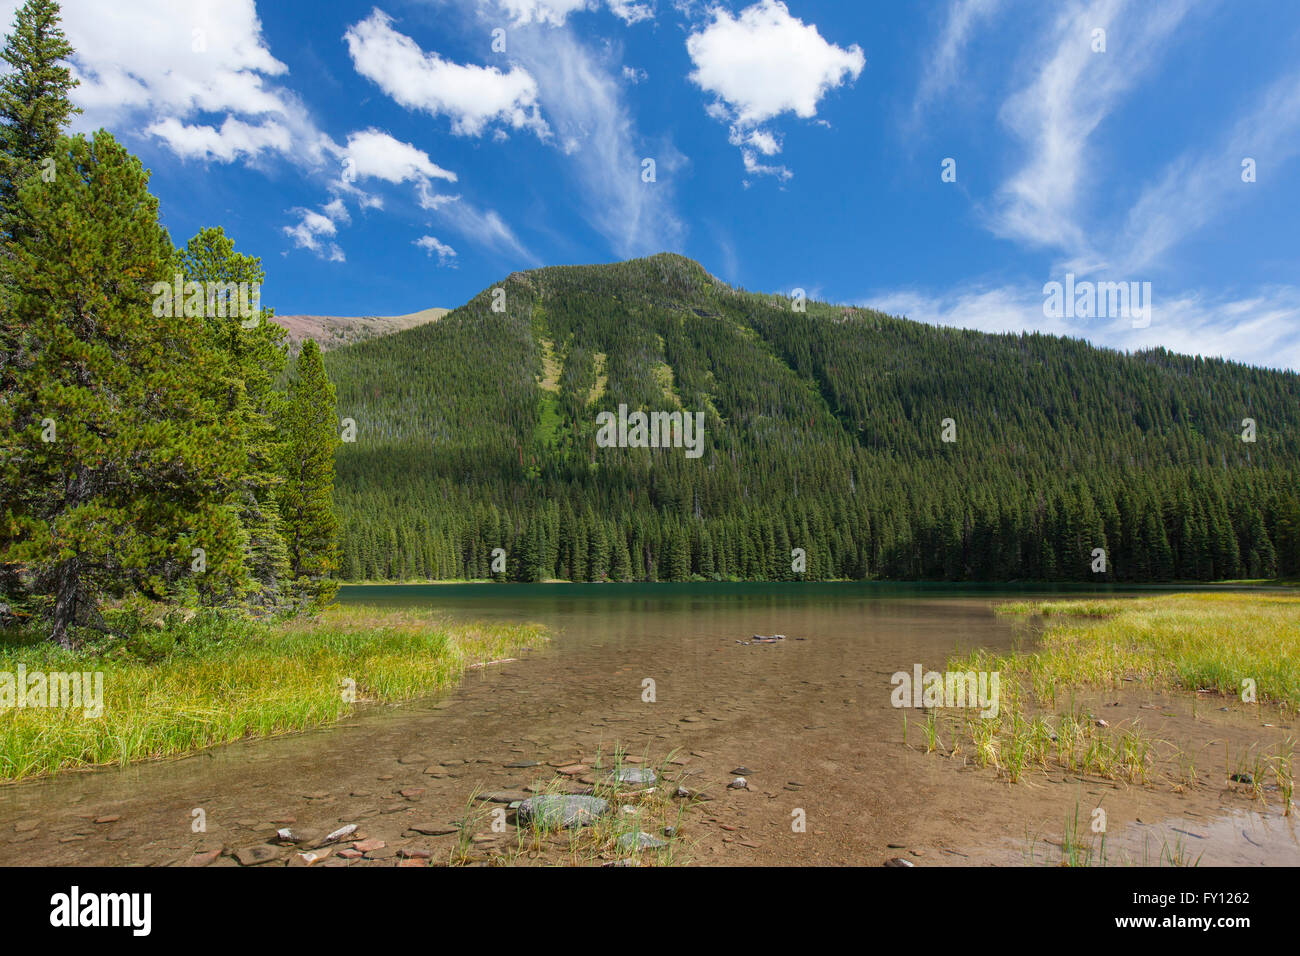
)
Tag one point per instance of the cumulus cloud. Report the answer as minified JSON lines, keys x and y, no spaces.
{"x":472,"y":97}
{"x":372,"y":153}
{"x":763,"y":63}
{"x":235,"y":138}
{"x":159,"y":65}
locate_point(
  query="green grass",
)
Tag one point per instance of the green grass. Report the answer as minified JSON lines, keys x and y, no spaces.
{"x":215,"y":680}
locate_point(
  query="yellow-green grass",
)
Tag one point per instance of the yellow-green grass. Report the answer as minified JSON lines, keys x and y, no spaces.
{"x":215,"y":680}
{"x":1196,"y":642}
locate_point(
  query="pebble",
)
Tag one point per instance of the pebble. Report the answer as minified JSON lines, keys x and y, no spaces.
{"x":341,"y":832}
{"x":740,"y":783}
{"x":262,"y":853}
{"x":204,"y":858}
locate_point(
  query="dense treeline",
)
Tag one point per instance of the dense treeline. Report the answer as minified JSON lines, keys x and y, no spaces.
{"x":151,"y":443}
{"x":824,"y":432}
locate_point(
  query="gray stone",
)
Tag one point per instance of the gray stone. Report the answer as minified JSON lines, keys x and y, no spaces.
{"x":632,"y":777}
{"x":552,"y":811}
{"x":636,"y":841}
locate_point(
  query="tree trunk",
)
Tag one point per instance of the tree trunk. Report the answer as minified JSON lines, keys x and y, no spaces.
{"x":67,"y":597}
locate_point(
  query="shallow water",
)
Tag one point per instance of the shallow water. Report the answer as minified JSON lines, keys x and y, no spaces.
{"x":813,"y":710}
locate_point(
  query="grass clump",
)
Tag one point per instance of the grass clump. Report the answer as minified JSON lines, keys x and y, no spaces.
{"x":1206,"y":642}
{"x":216,"y":678}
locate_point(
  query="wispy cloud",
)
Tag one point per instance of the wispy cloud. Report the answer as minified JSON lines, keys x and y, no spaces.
{"x":581,"y":91}
{"x":1057,"y":112}
{"x":943,"y":65}
{"x":1260,"y":328}
{"x":1197,"y":187}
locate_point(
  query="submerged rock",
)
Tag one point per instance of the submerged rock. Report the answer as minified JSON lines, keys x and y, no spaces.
{"x":553,"y":810}
{"x":637,"y":841}
{"x":632,"y":777}
{"x":264,"y":853}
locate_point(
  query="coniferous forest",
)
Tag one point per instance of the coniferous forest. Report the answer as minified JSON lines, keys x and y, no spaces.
{"x":151,"y":444}
{"x":880,"y":447}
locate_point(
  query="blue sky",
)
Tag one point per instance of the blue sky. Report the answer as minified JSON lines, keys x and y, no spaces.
{"x":386,"y":158}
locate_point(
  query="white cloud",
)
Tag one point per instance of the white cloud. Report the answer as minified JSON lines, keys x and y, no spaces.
{"x":555,"y":12}
{"x":766,"y":62}
{"x":235,"y":138}
{"x":763,"y":63}
{"x":376,"y":154}
{"x":314,"y":231}
{"x":485,"y":228}
{"x":631,"y":12}
{"x":473,"y":97}
{"x":431,"y":244}
{"x":159,"y":64}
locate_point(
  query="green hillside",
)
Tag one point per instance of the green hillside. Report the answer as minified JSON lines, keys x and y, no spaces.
{"x":823,"y":432}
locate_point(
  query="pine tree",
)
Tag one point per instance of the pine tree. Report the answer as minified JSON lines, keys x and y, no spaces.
{"x":34,"y":104}
{"x":310,"y":436}
{"x":116,"y":463}
{"x":255,"y":353}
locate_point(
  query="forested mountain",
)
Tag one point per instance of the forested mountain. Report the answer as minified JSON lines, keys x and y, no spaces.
{"x":824,"y":431}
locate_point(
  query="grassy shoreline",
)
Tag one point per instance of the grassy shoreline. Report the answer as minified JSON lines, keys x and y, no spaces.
{"x":1193,"y":642}
{"x":215,"y":680}
{"x":1190,"y":643}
